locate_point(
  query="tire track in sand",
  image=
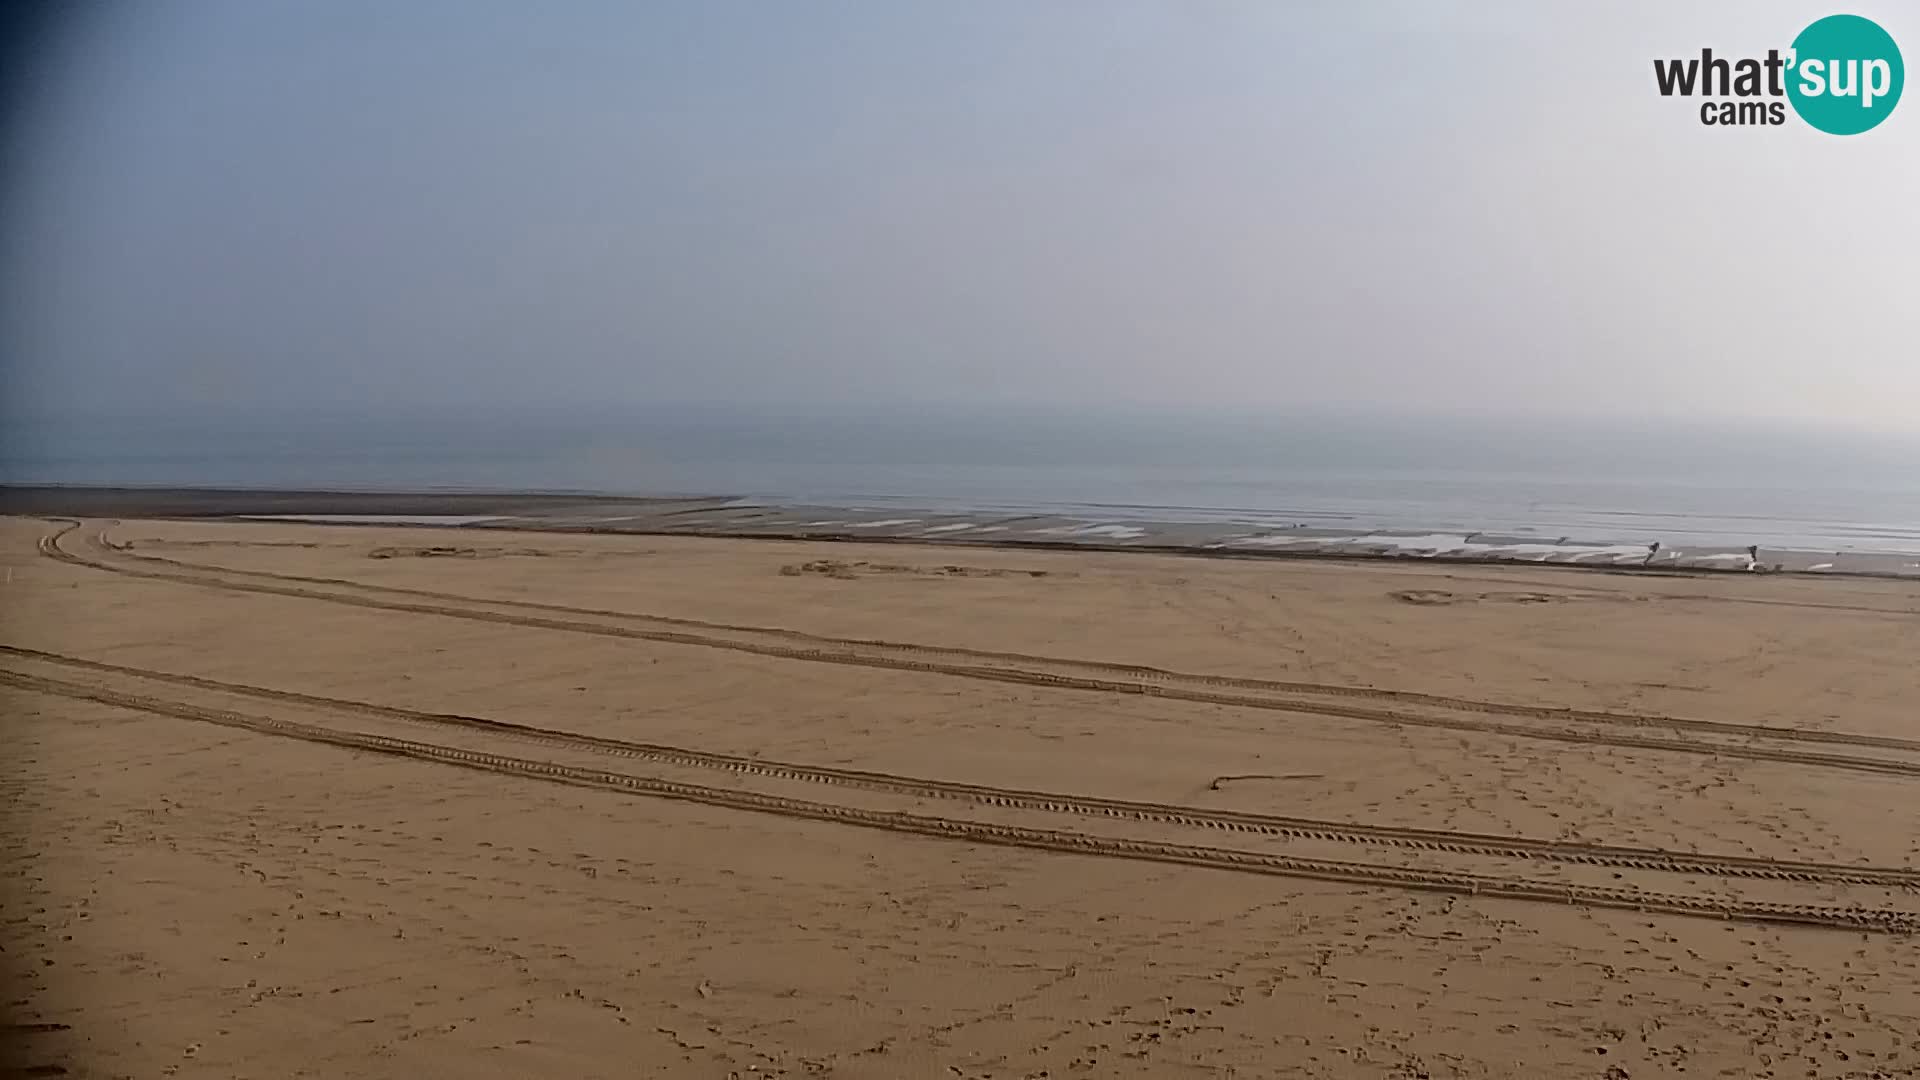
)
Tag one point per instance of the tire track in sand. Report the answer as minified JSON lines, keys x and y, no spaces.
{"x":1458,"y":883}
{"x":1296,"y":828}
{"x":1259,"y":694}
{"x":1138,"y":671}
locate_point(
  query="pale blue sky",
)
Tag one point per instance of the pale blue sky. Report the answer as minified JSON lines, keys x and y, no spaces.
{"x":465,"y":205}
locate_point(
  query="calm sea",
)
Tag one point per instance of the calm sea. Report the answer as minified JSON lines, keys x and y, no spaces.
{"x":1702,"y":483}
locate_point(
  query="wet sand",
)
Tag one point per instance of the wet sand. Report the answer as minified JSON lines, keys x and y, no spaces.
{"x":299,"y":799}
{"x":1244,"y":536}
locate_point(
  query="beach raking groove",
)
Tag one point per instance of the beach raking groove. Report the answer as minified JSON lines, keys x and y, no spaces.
{"x":1854,"y":918}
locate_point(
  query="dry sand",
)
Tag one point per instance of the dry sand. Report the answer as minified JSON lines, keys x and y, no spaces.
{"x":256,"y":827}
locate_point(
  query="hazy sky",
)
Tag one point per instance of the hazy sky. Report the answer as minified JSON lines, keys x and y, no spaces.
{"x":465,"y":204}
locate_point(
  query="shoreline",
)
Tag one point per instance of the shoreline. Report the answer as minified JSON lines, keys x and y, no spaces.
{"x":667,"y":773}
{"x":197,"y":502}
{"x":715,"y":516}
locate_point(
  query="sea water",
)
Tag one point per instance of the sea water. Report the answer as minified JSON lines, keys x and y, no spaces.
{"x":1592,"y":481}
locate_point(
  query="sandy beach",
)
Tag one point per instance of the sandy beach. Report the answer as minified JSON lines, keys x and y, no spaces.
{"x":293,"y":799}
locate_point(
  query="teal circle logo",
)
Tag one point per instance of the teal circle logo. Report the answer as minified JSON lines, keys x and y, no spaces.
{"x":1846,"y":75}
